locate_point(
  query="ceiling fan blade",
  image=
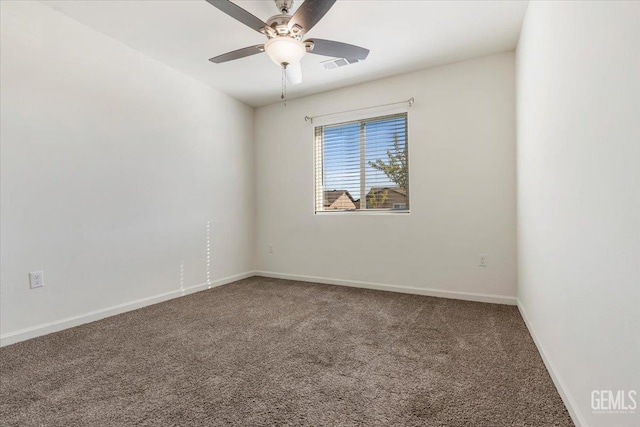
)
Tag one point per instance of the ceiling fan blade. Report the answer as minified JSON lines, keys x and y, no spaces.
{"x":238,"y":13}
{"x":309,"y":13}
{"x":237,"y":54}
{"x":337,"y":49}
{"x":294,"y":73}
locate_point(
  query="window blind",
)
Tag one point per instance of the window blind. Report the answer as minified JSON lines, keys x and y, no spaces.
{"x":363,"y":165}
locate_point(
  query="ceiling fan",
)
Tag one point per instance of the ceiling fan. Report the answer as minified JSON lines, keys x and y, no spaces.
{"x":285,"y":46}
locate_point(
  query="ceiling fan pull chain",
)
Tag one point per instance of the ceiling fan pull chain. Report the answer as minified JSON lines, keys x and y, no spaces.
{"x":284,"y":84}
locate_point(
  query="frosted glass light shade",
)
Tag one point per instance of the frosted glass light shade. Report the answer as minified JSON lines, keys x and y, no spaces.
{"x":294,"y":74}
{"x":284,"y":49}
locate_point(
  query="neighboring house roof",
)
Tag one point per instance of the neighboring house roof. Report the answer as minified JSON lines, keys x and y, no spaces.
{"x":338,"y":199}
{"x":376,"y":190}
{"x":331,"y":196}
{"x":387,"y":198}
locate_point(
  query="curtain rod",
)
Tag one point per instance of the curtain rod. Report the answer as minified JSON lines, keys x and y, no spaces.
{"x":410,"y":101}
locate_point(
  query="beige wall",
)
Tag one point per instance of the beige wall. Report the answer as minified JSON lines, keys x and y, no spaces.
{"x":578,"y":85}
{"x":113,"y":165}
{"x":462,"y":175}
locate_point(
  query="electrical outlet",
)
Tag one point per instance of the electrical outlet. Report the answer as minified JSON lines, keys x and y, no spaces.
{"x":482,"y":260}
{"x":36,"y":279}
{"x":271,"y":248}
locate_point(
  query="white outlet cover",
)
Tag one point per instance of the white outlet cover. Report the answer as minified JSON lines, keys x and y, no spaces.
{"x":482,"y":260}
{"x":36,"y":279}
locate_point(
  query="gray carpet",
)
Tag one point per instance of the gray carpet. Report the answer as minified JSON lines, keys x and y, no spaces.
{"x":262,"y":352}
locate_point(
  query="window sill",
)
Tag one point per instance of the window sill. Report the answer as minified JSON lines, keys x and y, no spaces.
{"x":364,"y":212}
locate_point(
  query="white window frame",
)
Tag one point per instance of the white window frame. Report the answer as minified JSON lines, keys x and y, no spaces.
{"x":341,"y":118}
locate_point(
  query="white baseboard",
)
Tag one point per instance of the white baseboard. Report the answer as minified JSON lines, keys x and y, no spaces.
{"x":467,"y":296}
{"x":553,"y":373}
{"x":70,"y":322}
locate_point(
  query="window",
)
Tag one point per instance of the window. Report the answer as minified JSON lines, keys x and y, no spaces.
{"x":363,"y":165}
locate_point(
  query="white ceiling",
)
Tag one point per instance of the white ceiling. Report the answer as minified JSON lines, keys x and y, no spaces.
{"x":403,"y":36}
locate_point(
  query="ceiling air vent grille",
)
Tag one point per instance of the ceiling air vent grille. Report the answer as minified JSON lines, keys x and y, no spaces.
{"x":338,"y":62}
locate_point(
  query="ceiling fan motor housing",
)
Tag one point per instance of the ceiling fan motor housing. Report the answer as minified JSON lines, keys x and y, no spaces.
{"x":278,"y":25}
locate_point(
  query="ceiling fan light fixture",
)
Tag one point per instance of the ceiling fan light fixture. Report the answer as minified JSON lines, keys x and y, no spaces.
{"x":285,"y":50}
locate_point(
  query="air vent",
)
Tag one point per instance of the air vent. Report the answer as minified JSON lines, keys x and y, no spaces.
{"x":338,"y":62}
